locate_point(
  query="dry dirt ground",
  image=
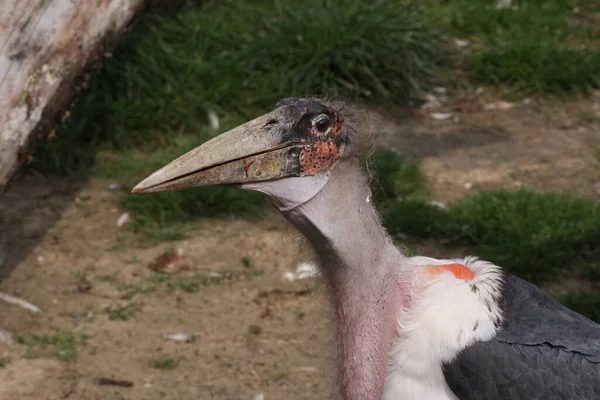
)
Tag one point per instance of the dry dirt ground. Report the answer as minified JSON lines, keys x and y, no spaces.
{"x":254,"y":332}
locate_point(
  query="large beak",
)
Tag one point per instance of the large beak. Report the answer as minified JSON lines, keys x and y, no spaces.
{"x":255,"y":151}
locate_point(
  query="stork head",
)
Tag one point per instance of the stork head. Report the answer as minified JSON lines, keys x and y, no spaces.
{"x":286,"y":154}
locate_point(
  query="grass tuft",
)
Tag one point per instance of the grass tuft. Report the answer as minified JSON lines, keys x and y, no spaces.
{"x":394,"y":178}
{"x":416,"y":217}
{"x":62,"y":346}
{"x":537,"y":67}
{"x":186,"y":284}
{"x":542,"y":47}
{"x":164,"y":363}
{"x":123,"y":312}
{"x":483,"y":19}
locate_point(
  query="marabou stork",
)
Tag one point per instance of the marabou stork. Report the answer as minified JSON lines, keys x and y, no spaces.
{"x":406,"y":328}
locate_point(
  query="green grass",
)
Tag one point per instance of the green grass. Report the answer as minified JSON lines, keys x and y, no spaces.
{"x":132,"y":289}
{"x":107,"y":278}
{"x":164,"y":363}
{"x":395,"y":177}
{"x":536,"y":47}
{"x":247,"y":262}
{"x":481,"y":19}
{"x":163,"y":283}
{"x":62,"y":345}
{"x":417,"y":218}
{"x":166,"y":216}
{"x":299,"y":314}
{"x":537,"y":67}
{"x":254,"y":329}
{"x":124,"y":312}
{"x":237,"y":59}
{"x":186,"y":284}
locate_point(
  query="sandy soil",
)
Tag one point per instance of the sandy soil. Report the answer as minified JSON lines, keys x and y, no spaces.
{"x":253,"y":331}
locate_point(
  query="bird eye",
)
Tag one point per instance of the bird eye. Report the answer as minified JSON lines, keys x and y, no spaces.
{"x":322,"y":123}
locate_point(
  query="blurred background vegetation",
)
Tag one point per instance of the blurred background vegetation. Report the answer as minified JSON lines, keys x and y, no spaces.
{"x":151,"y":100}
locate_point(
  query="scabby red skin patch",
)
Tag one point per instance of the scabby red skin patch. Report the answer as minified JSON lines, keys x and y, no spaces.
{"x":318,"y":157}
{"x":323,"y":153}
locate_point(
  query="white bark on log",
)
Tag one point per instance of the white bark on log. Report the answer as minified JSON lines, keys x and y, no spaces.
{"x":44,"y":45}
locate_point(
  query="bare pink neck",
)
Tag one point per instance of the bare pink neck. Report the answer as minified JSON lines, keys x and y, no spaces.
{"x":361,"y":266}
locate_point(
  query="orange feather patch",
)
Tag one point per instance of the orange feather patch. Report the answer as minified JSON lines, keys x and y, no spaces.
{"x":460,"y":271}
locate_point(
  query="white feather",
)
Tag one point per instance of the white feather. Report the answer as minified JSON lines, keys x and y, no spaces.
{"x":445,"y":315}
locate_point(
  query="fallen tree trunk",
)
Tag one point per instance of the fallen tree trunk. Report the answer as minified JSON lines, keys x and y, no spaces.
{"x":44,"y":46}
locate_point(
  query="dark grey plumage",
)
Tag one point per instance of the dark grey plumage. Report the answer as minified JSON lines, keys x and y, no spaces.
{"x":543,"y":351}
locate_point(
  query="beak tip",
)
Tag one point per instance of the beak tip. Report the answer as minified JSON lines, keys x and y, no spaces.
{"x":142,"y":187}
{"x":150,"y":182}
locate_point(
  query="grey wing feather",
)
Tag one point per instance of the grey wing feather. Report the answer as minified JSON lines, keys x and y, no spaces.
{"x":543,"y":351}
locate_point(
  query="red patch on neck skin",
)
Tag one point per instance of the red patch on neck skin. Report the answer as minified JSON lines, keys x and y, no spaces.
{"x":460,"y":271}
{"x":318,"y":157}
